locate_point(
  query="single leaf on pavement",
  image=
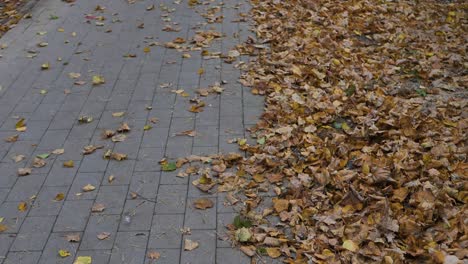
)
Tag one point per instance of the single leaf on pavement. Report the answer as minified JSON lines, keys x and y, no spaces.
{"x":24,"y":171}
{"x":170,"y":166}
{"x":190,"y":245}
{"x":73,"y":237}
{"x":98,"y":208}
{"x":63,"y":253}
{"x":69,"y":164}
{"x":103,"y":235}
{"x":22,"y":206}
{"x":203,"y":203}
{"x":88,"y":188}
{"x":83,"y":260}
{"x":153,"y":255}
{"x":59,"y":197}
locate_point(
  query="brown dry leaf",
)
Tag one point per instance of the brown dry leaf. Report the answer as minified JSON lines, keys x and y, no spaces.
{"x":280,"y":205}
{"x":91,"y":149}
{"x":24,"y":171}
{"x":118,"y":114}
{"x":153,"y":255}
{"x":273,"y":252}
{"x":248,"y":250}
{"x":3,"y":228}
{"x":190,"y":245}
{"x":58,"y":151}
{"x":108,"y":133}
{"x":13,"y":138}
{"x":111,"y":178}
{"x":98,"y":208}
{"x":21,"y":125}
{"x":88,"y":188}
{"x":124,"y":128}
{"x":103,"y":235}
{"x":118,"y":138}
{"x":38,"y":163}
{"x":18,"y":158}
{"x":190,"y":133}
{"x":203,"y":203}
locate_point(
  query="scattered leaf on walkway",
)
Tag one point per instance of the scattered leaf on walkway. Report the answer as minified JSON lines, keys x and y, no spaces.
{"x":190,"y":133}
{"x":88,"y":188}
{"x":203,"y":203}
{"x":22,"y":206}
{"x":103,"y":235}
{"x":3,"y":228}
{"x":190,"y":245}
{"x":63,"y":253}
{"x":18,"y":158}
{"x":85,"y":119}
{"x":111,"y":178}
{"x":83,"y":260}
{"x":24,"y":171}
{"x":98,"y":79}
{"x":170,"y":166}
{"x":124,"y":128}
{"x":273,"y":252}
{"x":118,"y":114}
{"x":153,"y":255}
{"x":21,"y":125}
{"x":98,"y":208}
{"x":68,"y":164}
{"x":59,"y":197}
{"x":119,"y":138}
{"x":91,"y":149}
{"x":11,"y":139}
{"x":147,"y":127}
{"x":38,"y":163}
{"x":43,"y":155}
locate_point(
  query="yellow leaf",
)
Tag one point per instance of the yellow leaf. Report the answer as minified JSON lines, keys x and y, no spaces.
{"x":45,"y":66}
{"x":22,"y":206}
{"x":83,"y":260}
{"x":98,"y":79}
{"x":201,"y":71}
{"x":59,"y":197}
{"x":20,"y":125}
{"x":69,"y":164}
{"x":146,"y":49}
{"x":273,"y":252}
{"x":118,"y":114}
{"x":64,"y":253}
{"x":147,"y":127}
{"x":3,"y":227}
{"x":350,"y":245}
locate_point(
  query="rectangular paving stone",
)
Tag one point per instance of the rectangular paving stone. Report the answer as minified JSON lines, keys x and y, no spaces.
{"x":97,"y":256}
{"x":166,"y":231}
{"x":45,"y":203}
{"x":33,"y":234}
{"x":140,"y":213}
{"x":74,"y":216}
{"x":96,"y":225}
{"x":113,"y":197}
{"x":56,"y":242}
{"x":27,"y":257}
{"x":148,"y":159}
{"x":5,"y":242}
{"x":200,"y":219}
{"x":121,"y":170}
{"x":60,"y":175}
{"x":170,"y":177}
{"x":94,"y":162}
{"x":82,"y":179}
{"x":167,"y":256}
{"x":145,"y":184}
{"x":204,"y":254}
{"x":129,"y":248}
{"x":12,"y":217}
{"x":171,"y":199}
{"x":25,"y":187}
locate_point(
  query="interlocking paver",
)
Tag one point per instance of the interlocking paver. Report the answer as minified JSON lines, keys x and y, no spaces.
{"x":147,"y":88}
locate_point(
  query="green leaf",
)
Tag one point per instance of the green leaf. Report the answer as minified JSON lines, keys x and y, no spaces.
{"x":240,"y":222}
{"x":421,"y":92}
{"x":53,"y":17}
{"x":261,"y":141}
{"x":350,"y":91}
{"x":43,"y":156}
{"x":171,"y":166}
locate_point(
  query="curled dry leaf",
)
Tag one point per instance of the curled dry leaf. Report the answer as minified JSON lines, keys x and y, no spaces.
{"x":24,"y":171}
{"x":203,"y":203}
{"x":153,"y":255}
{"x":190,"y":245}
{"x":38,"y":163}
{"x":91,"y":149}
{"x":22,"y":206}
{"x":103,"y":235}
{"x":124,"y":128}
{"x":13,"y":138}
{"x":59,"y":197}
{"x":98,"y":208}
{"x":69,"y":164}
{"x":190,"y":133}
{"x":111,"y":178}
{"x":88,"y":188}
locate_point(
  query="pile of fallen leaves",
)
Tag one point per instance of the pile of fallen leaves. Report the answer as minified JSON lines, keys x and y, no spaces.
{"x":10,"y":14}
{"x":362,"y":145}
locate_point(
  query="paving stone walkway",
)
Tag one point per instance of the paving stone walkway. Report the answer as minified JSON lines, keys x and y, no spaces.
{"x":142,"y":85}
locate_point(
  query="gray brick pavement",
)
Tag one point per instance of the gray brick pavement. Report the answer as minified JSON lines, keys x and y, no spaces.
{"x":143,"y":88}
